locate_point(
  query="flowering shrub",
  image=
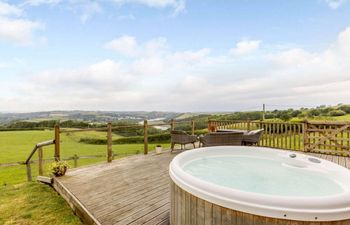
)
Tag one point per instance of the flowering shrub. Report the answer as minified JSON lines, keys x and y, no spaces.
{"x":59,"y":168}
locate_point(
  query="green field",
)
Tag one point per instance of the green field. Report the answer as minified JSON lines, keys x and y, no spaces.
{"x":15,"y":146}
{"x":34,"y":204}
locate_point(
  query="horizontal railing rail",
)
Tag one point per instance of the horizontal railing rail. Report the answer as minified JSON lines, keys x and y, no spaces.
{"x":108,"y":129}
{"x":38,"y":147}
{"x":321,"y":137}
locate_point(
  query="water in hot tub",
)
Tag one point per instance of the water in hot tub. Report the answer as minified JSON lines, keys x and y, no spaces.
{"x":263,"y":176}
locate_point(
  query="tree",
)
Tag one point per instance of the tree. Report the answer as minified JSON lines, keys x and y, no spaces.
{"x":345,"y":108}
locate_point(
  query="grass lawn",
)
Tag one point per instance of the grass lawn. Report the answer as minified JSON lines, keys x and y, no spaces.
{"x":15,"y":146}
{"x":342,"y":118}
{"x":34,"y":203}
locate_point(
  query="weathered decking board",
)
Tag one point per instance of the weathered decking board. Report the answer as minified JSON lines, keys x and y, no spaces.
{"x":133,"y":190}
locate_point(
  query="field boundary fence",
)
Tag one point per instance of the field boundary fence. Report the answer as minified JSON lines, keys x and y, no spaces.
{"x":318,"y":137}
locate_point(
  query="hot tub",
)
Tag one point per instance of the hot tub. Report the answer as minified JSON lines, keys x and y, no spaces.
{"x":255,"y":185}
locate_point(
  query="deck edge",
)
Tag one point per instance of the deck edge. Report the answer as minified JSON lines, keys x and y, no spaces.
{"x":78,"y":208}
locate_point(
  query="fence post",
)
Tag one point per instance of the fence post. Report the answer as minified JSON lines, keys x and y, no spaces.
{"x":57,"y":143}
{"x":248,"y":125}
{"x":145,"y":137}
{"x":192,"y":123}
{"x":109,"y":142}
{"x":305,"y":136}
{"x":29,"y":171}
{"x":40,"y":161}
{"x":172,"y":125}
{"x":75,"y":158}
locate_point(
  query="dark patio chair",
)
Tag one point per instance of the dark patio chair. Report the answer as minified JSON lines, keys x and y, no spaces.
{"x":221,"y":138}
{"x":252,"y":137}
{"x":182,"y":138}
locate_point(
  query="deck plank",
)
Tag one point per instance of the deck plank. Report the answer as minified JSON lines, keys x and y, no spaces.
{"x":136,"y":190}
{"x":133,"y":190}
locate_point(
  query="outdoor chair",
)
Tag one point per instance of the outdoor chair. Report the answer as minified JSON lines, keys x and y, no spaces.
{"x":221,"y":138}
{"x":252,"y":137}
{"x":182,"y":138}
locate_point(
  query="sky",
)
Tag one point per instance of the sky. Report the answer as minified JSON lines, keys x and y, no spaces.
{"x":173,"y":55}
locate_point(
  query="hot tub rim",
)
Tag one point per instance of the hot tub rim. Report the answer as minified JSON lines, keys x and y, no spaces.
{"x":281,"y":212}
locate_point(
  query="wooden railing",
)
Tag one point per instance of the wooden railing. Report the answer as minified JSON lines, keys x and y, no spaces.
{"x":281,"y":135}
{"x":319,"y":137}
{"x":38,"y":147}
{"x":110,"y":154}
{"x":325,"y":137}
{"x":109,"y":129}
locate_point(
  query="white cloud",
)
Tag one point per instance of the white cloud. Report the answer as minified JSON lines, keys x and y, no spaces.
{"x":334,"y":4}
{"x":157,"y":78}
{"x":20,"y":31}
{"x":85,"y":8}
{"x":155,"y":46}
{"x":245,"y":47}
{"x":126,"y":45}
{"x":9,"y":10}
{"x":41,"y":2}
{"x":177,"y":5}
{"x":106,"y":73}
{"x":89,"y":9}
{"x":293,"y":57}
{"x":192,"y":56}
{"x":16,"y":29}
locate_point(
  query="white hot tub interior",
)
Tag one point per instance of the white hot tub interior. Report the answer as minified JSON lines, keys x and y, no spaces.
{"x":266,"y":182}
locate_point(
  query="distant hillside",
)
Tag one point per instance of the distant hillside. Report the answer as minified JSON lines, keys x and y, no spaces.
{"x":340,"y":112}
{"x":86,"y":116}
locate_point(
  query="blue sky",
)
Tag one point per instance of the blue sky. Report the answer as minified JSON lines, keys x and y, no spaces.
{"x":174,"y":55}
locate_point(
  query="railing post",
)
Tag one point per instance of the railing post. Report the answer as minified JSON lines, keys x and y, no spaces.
{"x":145,"y":137}
{"x":29,"y":171}
{"x":192,"y":123}
{"x":109,"y":142}
{"x":57,"y":142}
{"x":40,"y":161}
{"x":248,"y":125}
{"x":75,"y":158}
{"x":305,"y":136}
{"x":172,"y":125}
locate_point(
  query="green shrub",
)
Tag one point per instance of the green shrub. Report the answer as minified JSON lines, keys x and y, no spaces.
{"x":93,"y":141}
{"x":345,"y":108}
{"x":337,"y":112}
{"x":59,"y":168}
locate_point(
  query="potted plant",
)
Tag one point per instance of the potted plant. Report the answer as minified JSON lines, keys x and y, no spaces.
{"x":59,"y":168}
{"x":212,"y":128}
{"x":158,"y":149}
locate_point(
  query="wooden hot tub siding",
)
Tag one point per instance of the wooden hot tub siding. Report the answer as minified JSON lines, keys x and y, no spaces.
{"x":187,"y":209}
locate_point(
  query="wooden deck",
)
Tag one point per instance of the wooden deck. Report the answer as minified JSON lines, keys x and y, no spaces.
{"x":132,"y":190}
